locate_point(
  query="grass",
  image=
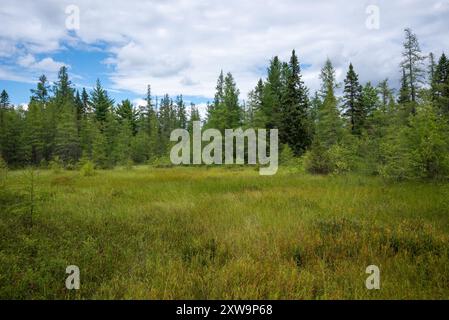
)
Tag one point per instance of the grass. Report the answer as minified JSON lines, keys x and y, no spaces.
{"x":218,"y":233}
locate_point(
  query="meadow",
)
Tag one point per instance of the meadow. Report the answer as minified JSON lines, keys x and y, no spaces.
{"x":221,"y":233}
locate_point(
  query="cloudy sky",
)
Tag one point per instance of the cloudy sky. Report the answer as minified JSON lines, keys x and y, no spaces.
{"x":180,"y":46}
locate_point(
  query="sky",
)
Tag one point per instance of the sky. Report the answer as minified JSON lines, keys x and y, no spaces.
{"x":180,"y":46}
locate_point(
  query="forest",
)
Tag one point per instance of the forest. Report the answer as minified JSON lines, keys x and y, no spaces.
{"x":367,"y":128}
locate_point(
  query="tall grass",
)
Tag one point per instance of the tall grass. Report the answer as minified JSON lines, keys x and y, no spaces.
{"x":213,"y":233}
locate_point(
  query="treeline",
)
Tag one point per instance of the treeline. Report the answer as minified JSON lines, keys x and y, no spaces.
{"x":370,"y":128}
{"x":67,"y":126}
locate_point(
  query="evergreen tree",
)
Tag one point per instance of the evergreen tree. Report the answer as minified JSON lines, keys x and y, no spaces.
{"x":122,"y":145}
{"x":260,"y":118}
{"x":126,"y":113}
{"x":4,"y":105}
{"x":295,"y":124}
{"x":441,"y":85}
{"x":271,"y":95}
{"x":412,"y":64}
{"x":35,"y":132}
{"x":328,"y":80}
{"x":64,"y":92}
{"x":404,"y":92}
{"x":100,"y":148}
{"x":329,"y":125}
{"x":232,"y":111}
{"x":101,"y":103}
{"x":194,"y":116}
{"x":353,"y":101}
{"x":386,"y":95}
{"x":181,"y":114}
{"x":67,"y":146}
{"x":85,"y":101}
{"x":40,"y":94}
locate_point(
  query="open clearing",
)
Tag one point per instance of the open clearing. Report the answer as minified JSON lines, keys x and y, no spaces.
{"x":217,"y":233}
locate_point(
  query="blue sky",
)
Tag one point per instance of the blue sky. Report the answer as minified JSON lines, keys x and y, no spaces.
{"x":180,"y":46}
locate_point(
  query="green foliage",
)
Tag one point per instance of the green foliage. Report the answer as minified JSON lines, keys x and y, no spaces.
{"x":287,"y":157}
{"x":56,"y":165}
{"x":354,"y":107}
{"x":337,"y":159}
{"x":295,"y":125}
{"x":88,"y":169}
{"x":162,"y":162}
{"x":420,"y":150}
{"x":3,"y":172}
{"x":300,"y":226}
{"x":101,"y":103}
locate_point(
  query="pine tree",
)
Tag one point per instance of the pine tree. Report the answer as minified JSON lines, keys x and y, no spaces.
{"x":64,"y":92}
{"x":441,"y":85}
{"x":4,"y":105}
{"x":85,"y":101}
{"x":370,"y":104}
{"x":412,"y":64}
{"x":329,"y":125}
{"x":40,"y":94}
{"x":100,"y":101}
{"x":215,"y":111}
{"x":166,"y":123}
{"x":328,"y":80}
{"x":255,"y":105}
{"x":353,"y":101}
{"x":181,"y":115}
{"x":126,"y":113}
{"x":295,"y":124}
{"x":271,"y":96}
{"x":194,"y":116}
{"x":219,"y":93}
{"x":386,"y":94}
{"x":232,"y":109}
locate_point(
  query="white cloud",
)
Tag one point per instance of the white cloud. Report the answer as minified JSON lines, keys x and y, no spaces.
{"x":179,"y":46}
{"x":45,"y":65}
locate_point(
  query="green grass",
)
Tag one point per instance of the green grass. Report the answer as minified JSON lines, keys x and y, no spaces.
{"x":199,"y":233}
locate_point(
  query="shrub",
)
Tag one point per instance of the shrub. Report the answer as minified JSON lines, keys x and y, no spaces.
{"x":317,"y":160}
{"x":162,"y":162}
{"x":338,"y":159}
{"x":287,"y":158}
{"x":88,"y":169}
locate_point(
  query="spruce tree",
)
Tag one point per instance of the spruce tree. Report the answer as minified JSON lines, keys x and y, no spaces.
{"x":100,"y":101}
{"x":232,"y":110}
{"x":353,"y":101}
{"x":181,"y":114}
{"x":295,"y":124}
{"x":441,"y":85}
